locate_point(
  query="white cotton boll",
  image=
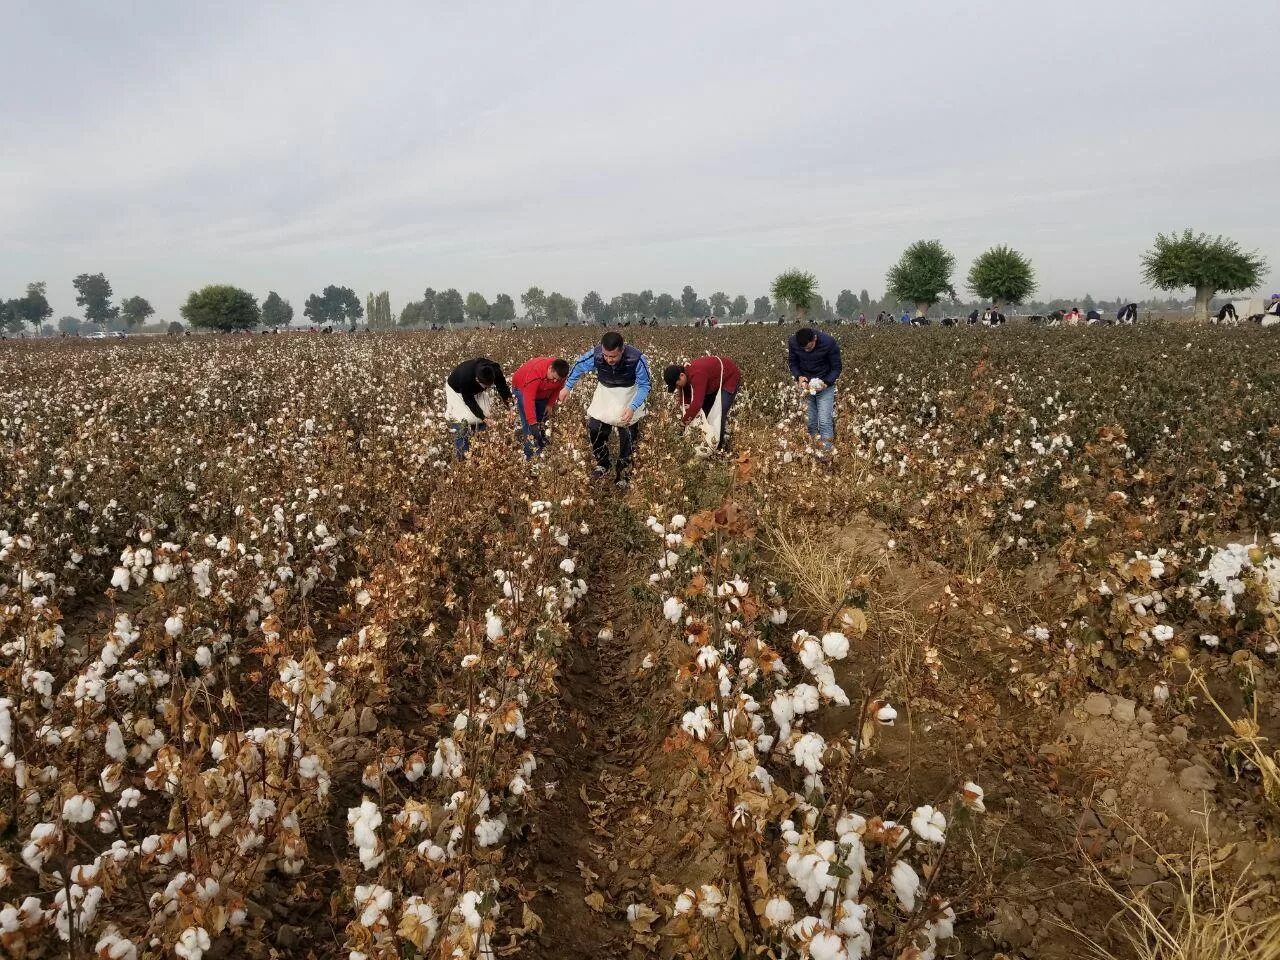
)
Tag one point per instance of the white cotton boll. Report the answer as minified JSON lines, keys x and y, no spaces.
{"x":204,"y":657}
{"x":113,"y":743}
{"x":192,"y":944}
{"x":418,"y":911}
{"x":78,"y":809}
{"x":494,"y":627}
{"x":778,"y":616}
{"x":783,"y":710}
{"x":817,"y":385}
{"x":778,"y":911}
{"x":374,"y":901}
{"x":672,"y":609}
{"x":804,"y":698}
{"x":130,"y":797}
{"x":112,"y":946}
{"x":929,"y":824}
{"x":684,"y":903}
{"x":1209,"y":640}
{"x":886,"y":715}
{"x":906,"y":883}
{"x":489,"y":832}
{"x":835,"y":645}
{"x":811,"y":654}
{"x":808,"y":752}
{"x":470,"y":660}
{"x":697,"y":723}
{"x":120,"y":579}
{"x":1160,"y":693}
{"x":678,"y":522}
{"x":1162,"y":633}
{"x":827,"y":946}
{"x":468,"y":907}
{"x":567,"y":565}
{"x":710,"y":901}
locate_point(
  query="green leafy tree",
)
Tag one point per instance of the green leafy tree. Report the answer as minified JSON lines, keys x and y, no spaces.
{"x":664,"y":306}
{"x":701,"y":308}
{"x":34,"y":308}
{"x":134,"y":311}
{"x":503,"y":309}
{"x":922,"y":275}
{"x":221,"y":307}
{"x":688,"y":301}
{"x":561,"y":309}
{"x":414,"y":314}
{"x":865,"y":299}
{"x":1206,"y":264}
{"x":798,"y":288}
{"x":476,"y":306}
{"x":846,"y":304}
{"x":592,"y":305}
{"x":334,"y":305}
{"x":761,"y":308}
{"x":1002,"y":275}
{"x":10,"y":319}
{"x":429,"y":300}
{"x":175,"y":329}
{"x":739,"y":306}
{"x":276,"y":311}
{"x":450,"y":307}
{"x":69,"y":324}
{"x":93,"y":292}
{"x":534,"y":301}
{"x":719,"y":303}
{"x":644,"y":303}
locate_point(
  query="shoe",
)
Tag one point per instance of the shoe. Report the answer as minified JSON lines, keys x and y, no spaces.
{"x":623,"y":484}
{"x":599,"y":473}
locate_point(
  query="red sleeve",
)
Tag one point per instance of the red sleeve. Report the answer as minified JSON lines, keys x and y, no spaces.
{"x":526,"y":401}
{"x":698,"y":383}
{"x":526,"y":380}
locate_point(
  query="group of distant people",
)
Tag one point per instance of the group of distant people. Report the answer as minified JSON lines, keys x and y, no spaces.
{"x":1269,"y":317}
{"x":707,"y":388}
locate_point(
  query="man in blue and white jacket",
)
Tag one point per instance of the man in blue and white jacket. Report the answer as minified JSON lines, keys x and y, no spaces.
{"x":814,"y":360}
{"x":622,"y":386}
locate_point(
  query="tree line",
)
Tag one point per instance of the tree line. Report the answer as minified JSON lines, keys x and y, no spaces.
{"x":921,"y":277}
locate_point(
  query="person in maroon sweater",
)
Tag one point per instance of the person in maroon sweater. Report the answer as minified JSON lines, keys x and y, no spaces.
{"x":536,"y":385}
{"x":700,"y":382}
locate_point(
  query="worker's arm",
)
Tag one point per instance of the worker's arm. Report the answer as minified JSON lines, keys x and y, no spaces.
{"x":698,"y":383}
{"x":642,"y":383}
{"x":580,"y":369}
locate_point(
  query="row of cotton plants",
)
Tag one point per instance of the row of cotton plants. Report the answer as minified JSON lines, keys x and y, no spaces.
{"x":806,"y":868}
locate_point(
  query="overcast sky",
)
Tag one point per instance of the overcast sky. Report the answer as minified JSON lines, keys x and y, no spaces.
{"x":490,"y":146}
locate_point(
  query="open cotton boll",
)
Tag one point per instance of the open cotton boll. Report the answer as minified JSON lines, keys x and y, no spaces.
{"x":808,"y":752}
{"x":672,"y":609}
{"x":835,"y":645}
{"x":929,"y":824}
{"x":78,"y":809}
{"x":710,"y":901}
{"x":1162,"y":632}
{"x":886,"y":715}
{"x":906,"y":883}
{"x":817,"y":385}
{"x":971,"y":796}
{"x":825,"y":945}
{"x":493,"y":628}
{"x":192,"y":944}
{"x":778,"y":911}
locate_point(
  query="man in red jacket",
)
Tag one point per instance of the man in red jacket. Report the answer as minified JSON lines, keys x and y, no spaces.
{"x":536,"y":386}
{"x":700,"y":382}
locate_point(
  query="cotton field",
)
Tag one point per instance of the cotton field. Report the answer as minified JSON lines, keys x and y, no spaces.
{"x":281,"y":677}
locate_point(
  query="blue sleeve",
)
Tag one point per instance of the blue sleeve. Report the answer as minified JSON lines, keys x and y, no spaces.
{"x":642,"y":383}
{"x":583,"y":366}
{"x":834,"y":363}
{"x":792,"y":360}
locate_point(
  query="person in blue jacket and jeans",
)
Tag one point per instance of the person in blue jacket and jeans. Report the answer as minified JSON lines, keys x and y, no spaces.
{"x":814,"y":360}
{"x":622,"y":386}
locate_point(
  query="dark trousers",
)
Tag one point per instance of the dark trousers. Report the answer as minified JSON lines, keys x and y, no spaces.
{"x":599,"y":433}
{"x":531,"y":433}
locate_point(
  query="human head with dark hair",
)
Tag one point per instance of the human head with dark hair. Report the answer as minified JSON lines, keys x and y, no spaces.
{"x":484,"y":375}
{"x":560,"y":368}
{"x":674,"y":377}
{"x":611,"y":344}
{"x":806,"y":337}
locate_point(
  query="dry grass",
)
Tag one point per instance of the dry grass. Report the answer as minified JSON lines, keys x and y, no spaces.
{"x":1212,"y":916}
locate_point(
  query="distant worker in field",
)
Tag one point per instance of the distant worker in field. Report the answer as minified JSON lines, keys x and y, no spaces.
{"x":814,"y":360}
{"x":1128,"y":313}
{"x":1093,"y":316}
{"x":905,"y":318}
{"x":1228,"y":313}
{"x":708,"y":386}
{"x":622,"y":386}
{"x":536,"y":385}
{"x":469,"y":399}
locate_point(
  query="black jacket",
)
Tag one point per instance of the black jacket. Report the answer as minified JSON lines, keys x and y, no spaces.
{"x":463,"y":382}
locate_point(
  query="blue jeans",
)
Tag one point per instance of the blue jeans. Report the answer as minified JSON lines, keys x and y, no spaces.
{"x":462,"y":436}
{"x":534,"y":439}
{"x":822,"y":415}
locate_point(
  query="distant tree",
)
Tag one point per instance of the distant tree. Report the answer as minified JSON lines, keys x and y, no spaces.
{"x":221,"y":307}
{"x":1206,"y":264}
{"x":450,"y":307}
{"x":628,"y":305}
{"x":69,"y":324}
{"x":1088,"y":303}
{"x":476,"y":306}
{"x":798,"y":288}
{"x":664,"y":306}
{"x":379,"y":318}
{"x":503,"y":310}
{"x":1002,"y":275}
{"x":34,"y":308}
{"x":334,"y":305}
{"x":592,"y":305}
{"x":719,"y":303}
{"x":175,"y":328}
{"x":761,"y":308}
{"x":134,"y":311}
{"x":865,"y":299}
{"x":93,"y":292}
{"x":701,"y":308}
{"x":922,"y":275}
{"x":846,"y":304}
{"x":276,"y":311}
{"x":644,"y":303}
{"x":429,"y":300}
{"x":739,"y":306}
{"x":688,"y":301}
{"x":414,"y":314}
{"x":535,"y":304}
{"x":561,"y":309}
{"x":10,"y":319}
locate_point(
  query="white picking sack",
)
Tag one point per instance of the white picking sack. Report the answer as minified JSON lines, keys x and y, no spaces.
{"x":706,"y":426}
{"x":608,"y":404}
{"x":457,"y":411}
